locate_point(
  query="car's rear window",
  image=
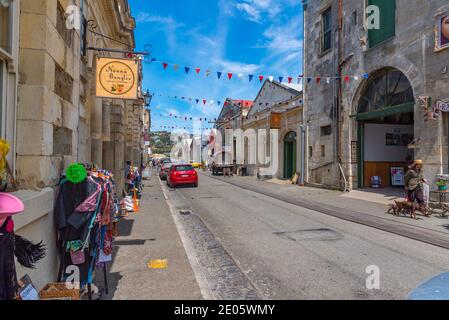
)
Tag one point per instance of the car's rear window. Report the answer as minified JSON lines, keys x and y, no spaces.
{"x":184,"y":168}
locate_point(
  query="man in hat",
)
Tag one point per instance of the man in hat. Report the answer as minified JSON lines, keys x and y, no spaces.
{"x":414,"y":182}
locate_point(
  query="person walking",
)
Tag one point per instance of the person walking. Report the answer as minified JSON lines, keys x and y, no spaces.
{"x":414,"y":182}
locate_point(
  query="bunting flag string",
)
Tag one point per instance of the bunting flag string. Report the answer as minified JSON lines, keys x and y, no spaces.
{"x":186,"y":118}
{"x":288,"y":79}
{"x":180,"y":127}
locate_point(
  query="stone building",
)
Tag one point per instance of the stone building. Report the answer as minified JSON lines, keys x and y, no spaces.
{"x":49,"y":110}
{"x":278,"y":106}
{"x":368,"y":68}
{"x":230,"y":118}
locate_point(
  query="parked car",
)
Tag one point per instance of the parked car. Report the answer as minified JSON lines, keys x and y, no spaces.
{"x":182,"y":174}
{"x":197,"y":165}
{"x":165,"y":168}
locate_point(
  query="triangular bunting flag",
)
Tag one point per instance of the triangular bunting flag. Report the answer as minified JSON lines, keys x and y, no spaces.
{"x":290,"y":79}
{"x":281,"y":79}
{"x":230,"y":76}
{"x":271,"y":78}
{"x":197,"y":101}
{"x":198,"y":70}
{"x":251,"y":77}
{"x":204,"y":102}
{"x":176,"y":67}
{"x":318,"y":80}
{"x":347,"y":79}
{"x":165,"y":65}
{"x":187,"y":69}
{"x":261,"y":78}
{"x":219,"y":74}
{"x":365,"y":75}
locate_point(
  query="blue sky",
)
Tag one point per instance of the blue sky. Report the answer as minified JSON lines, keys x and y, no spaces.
{"x":260,"y":37}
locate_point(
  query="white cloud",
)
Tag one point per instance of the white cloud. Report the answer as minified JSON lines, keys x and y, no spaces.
{"x":254,"y":10}
{"x":252,"y":13}
{"x":235,"y":66}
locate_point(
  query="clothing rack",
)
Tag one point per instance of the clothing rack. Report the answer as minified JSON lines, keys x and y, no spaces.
{"x":84,"y":215}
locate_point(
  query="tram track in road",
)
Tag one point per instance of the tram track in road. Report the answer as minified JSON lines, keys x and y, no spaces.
{"x":422,"y":234}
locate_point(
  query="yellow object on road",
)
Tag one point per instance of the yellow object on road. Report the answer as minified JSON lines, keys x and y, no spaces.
{"x":158,"y":264}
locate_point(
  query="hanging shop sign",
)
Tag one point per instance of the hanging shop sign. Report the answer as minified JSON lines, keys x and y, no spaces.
{"x":441,"y":106}
{"x":117,"y":78}
{"x":442,"y":32}
{"x":275,"y":121}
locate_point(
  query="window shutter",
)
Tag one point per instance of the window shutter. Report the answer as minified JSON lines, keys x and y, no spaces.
{"x":387,"y":22}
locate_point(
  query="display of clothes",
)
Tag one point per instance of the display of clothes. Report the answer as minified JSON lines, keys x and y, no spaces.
{"x":84,"y":215}
{"x":14,"y":246}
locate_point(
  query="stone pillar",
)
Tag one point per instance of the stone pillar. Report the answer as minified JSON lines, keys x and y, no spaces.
{"x":96,"y":129}
{"x":108,"y":145}
{"x":118,"y":145}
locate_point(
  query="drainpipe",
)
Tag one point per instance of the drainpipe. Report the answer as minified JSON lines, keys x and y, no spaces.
{"x":303,"y":154}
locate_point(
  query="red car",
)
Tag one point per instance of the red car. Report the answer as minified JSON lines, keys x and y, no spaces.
{"x":182,"y":174}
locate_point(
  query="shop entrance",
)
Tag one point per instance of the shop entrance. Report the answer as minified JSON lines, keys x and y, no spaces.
{"x":385,"y":121}
{"x":290,"y":155}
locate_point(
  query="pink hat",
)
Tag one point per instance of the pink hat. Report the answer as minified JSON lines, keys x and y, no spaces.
{"x":10,"y":205}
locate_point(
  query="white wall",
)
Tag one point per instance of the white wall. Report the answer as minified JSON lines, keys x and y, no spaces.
{"x":375,"y":143}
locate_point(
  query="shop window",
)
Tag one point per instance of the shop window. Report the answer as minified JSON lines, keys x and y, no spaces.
{"x":326,"y":30}
{"x":326,"y":130}
{"x":5,"y":25}
{"x":387,"y":30}
{"x":62,"y":141}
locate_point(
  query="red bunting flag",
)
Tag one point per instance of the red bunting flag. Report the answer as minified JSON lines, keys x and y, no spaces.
{"x":204,"y":102}
{"x":346,"y":79}
{"x":261,"y":78}
{"x":290,"y":79}
{"x":165,"y":65}
{"x":226,"y":104}
{"x":318,"y":80}
{"x":230,"y":76}
{"x":198,"y":70}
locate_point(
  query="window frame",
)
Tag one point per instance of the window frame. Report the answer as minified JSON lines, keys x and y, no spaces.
{"x":323,"y":32}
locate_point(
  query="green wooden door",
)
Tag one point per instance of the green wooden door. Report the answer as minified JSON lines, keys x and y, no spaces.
{"x":288,"y":167}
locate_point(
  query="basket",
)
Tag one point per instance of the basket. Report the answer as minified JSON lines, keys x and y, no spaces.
{"x":59,"y":291}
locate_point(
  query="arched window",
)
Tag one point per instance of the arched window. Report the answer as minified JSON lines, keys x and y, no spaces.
{"x":387,"y":88}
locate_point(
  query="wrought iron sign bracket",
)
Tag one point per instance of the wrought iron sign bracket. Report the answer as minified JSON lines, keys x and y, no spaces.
{"x":91,"y":26}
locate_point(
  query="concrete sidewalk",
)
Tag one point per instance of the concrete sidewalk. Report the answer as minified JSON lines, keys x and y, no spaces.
{"x":349,"y":206}
{"x":150,"y":235}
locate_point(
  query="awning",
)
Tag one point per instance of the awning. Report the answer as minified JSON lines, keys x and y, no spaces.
{"x":385,"y":112}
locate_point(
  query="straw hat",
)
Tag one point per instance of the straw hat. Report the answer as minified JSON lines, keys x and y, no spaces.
{"x":418,"y":163}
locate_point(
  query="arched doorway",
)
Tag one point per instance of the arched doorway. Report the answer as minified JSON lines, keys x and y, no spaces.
{"x":290,"y":155}
{"x":385,"y":119}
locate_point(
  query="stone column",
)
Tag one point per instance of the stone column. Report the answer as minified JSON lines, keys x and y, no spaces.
{"x":96,"y":132}
{"x":118,"y":145}
{"x":108,"y":145}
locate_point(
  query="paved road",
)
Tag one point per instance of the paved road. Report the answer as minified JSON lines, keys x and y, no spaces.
{"x":288,"y":252}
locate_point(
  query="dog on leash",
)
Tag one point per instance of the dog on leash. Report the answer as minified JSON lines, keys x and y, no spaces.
{"x":406,"y":207}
